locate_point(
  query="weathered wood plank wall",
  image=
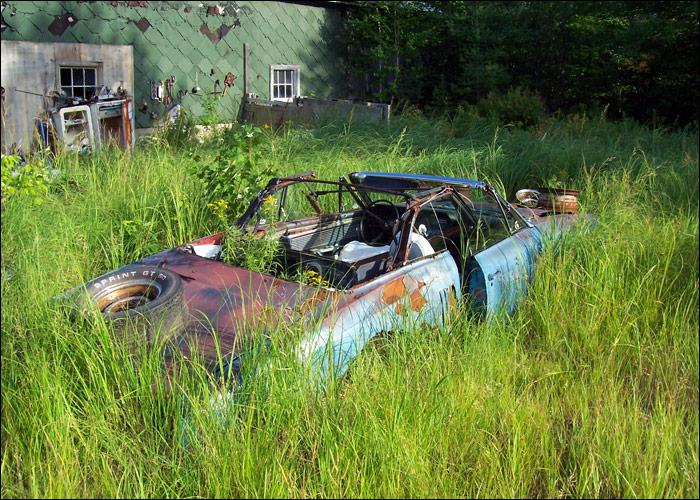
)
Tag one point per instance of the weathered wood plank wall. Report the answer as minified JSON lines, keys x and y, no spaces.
{"x":29,"y":72}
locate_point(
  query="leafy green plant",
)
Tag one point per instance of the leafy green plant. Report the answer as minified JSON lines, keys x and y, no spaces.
{"x":142,"y":234}
{"x":637,"y":57}
{"x":390,"y":36}
{"x":180,"y":131}
{"x":250,"y":251}
{"x":232,"y":169}
{"x":210,"y":104}
{"x":253,"y":251}
{"x":23,"y":180}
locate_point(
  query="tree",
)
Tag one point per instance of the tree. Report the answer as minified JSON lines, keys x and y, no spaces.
{"x":635,"y":58}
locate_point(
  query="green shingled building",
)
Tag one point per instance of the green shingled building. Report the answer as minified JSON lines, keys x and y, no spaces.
{"x":293,"y":49}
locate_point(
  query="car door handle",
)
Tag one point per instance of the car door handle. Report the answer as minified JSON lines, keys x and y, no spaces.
{"x":493,"y":275}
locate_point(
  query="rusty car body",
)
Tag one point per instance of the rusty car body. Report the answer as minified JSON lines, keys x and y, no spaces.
{"x":389,"y":250}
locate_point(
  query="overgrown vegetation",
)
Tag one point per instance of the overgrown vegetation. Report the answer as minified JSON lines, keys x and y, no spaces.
{"x":24,"y":180}
{"x":639,"y":59}
{"x":230,"y":167}
{"x":249,"y":250}
{"x":590,"y":390}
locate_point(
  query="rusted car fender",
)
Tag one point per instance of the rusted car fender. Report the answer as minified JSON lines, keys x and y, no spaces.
{"x":419,"y":293}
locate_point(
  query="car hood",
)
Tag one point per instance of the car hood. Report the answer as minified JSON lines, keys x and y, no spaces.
{"x":230,"y":307}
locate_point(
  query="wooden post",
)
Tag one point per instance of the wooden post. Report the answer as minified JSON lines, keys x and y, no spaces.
{"x":246,"y":89}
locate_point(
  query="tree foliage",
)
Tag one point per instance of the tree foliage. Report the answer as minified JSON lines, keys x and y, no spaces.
{"x":632,"y":58}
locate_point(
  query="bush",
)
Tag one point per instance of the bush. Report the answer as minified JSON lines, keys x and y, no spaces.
{"x":22,"y":180}
{"x":522,"y":108}
{"x":231,"y":166}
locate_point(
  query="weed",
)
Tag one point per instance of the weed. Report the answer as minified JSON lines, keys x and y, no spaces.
{"x":232,"y":167}
{"x":177,"y":133}
{"x":589,"y":390}
{"x":23,"y":180}
{"x":253,"y":251}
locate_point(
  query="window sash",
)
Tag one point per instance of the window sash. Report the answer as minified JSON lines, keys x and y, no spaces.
{"x":284,"y":82}
{"x":78,"y":81}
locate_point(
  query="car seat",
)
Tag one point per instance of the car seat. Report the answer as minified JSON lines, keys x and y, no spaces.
{"x":419,"y":246}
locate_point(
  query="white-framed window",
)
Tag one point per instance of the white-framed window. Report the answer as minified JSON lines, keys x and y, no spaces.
{"x":284,"y":82}
{"x":80,"y":80}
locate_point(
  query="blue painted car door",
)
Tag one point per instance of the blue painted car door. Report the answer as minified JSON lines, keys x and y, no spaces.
{"x":506,"y":269}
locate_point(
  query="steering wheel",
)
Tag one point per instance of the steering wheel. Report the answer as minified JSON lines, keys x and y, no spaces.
{"x":373,"y":224}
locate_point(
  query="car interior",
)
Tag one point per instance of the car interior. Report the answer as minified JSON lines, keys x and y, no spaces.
{"x":348,"y":235}
{"x":348,"y":238}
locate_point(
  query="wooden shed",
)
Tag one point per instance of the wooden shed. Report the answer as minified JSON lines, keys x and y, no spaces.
{"x":30,"y":74}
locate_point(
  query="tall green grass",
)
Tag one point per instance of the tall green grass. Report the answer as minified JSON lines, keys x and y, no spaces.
{"x":591,"y":389}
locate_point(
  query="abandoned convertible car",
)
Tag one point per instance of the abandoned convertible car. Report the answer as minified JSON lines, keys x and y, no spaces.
{"x":382,"y":250}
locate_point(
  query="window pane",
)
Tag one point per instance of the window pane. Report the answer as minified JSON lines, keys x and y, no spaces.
{"x":89,"y":76}
{"x":284,"y":84}
{"x":67,"y":90}
{"x":65,"y":76}
{"x":491,"y":226}
{"x":78,"y":92}
{"x":77,"y":76}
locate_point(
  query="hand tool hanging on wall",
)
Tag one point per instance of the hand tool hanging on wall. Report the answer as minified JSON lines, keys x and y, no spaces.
{"x":196,"y":88}
{"x":168,"y":96}
{"x":216,"y":85}
{"x":144,"y":107}
{"x":157,"y":90}
{"x":228,"y":81}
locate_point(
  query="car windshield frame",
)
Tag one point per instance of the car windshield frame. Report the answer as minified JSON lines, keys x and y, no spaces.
{"x":416,"y":190}
{"x":358,"y":192}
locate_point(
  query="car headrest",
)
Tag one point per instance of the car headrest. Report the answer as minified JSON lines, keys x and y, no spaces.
{"x":419,"y":246}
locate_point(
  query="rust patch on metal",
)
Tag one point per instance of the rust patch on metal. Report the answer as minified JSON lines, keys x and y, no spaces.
{"x":560,"y":200}
{"x":127,"y":124}
{"x":393,"y":291}
{"x":452,"y":300}
{"x":417,"y":300}
{"x":400,"y":308}
{"x":317,"y":297}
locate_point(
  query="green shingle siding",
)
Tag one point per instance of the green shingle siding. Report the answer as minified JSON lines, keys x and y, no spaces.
{"x":173,"y":44}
